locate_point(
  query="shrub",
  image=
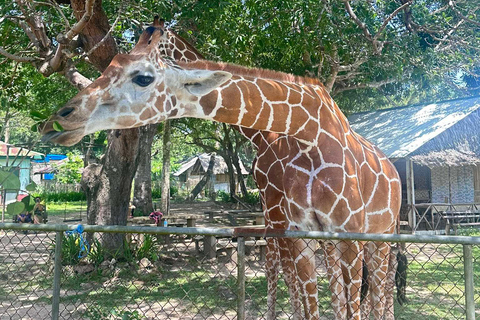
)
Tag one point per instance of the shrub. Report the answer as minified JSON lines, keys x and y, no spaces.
{"x":253,"y":197}
{"x":223,"y":196}
{"x":63,"y":196}
{"x":157,"y":193}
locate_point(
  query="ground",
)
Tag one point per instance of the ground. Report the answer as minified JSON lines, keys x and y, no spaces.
{"x":173,"y":281}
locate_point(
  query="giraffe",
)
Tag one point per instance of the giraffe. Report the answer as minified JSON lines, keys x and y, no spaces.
{"x":178,"y":49}
{"x":271,"y":149}
{"x":334,"y":180}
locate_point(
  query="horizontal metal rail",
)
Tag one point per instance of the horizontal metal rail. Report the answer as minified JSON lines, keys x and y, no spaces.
{"x":250,"y":232}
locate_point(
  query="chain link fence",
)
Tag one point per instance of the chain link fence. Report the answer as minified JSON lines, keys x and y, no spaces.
{"x":198,"y":273}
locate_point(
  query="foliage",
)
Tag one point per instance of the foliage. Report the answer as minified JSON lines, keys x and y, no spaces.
{"x":148,"y":249}
{"x":157,"y":193}
{"x":63,"y":196}
{"x":70,"y":249}
{"x":253,"y":197}
{"x":223,"y":196}
{"x":70,"y":171}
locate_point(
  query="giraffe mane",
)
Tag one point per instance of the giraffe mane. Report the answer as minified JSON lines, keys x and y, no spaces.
{"x":250,"y":72}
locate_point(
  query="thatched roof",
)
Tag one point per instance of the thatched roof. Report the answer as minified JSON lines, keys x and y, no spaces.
{"x":199,"y":165}
{"x":437,"y":134}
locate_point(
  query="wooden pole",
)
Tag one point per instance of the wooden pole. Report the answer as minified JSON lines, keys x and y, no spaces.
{"x":411,"y":195}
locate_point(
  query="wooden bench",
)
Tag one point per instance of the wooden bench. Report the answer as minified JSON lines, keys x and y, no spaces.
{"x":458,"y":219}
{"x":213,"y":245}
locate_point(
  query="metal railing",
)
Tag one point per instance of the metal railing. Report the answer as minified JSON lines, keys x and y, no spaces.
{"x":456,"y":289}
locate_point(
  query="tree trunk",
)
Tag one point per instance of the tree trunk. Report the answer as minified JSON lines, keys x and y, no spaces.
{"x":109,"y":185}
{"x":205,"y":179}
{"x":94,"y":32}
{"x":241,"y":181}
{"x":142,"y":192}
{"x":231,"y":174}
{"x":165,"y":180}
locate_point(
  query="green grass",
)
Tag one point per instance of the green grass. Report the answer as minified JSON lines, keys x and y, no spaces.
{"x":435,"y":287}
{"x":59,"y":208}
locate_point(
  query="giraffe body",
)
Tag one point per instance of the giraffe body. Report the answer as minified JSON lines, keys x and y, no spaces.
{"x":333,"y":180}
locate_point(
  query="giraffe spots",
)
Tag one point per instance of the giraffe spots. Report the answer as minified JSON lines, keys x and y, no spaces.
{"x":294,"y":97}
{"x":368,"y":182}
{"x":231,"y":100}
{"x":281,"y":112}
{"x":322,"y":197}
{"x":354,"y":147}
{"x":331,"y":178}
{"x":159,"y":103}
{"x":299,"y":117}
{"x":273,"y":90}
{"x":208,"y":102}
{"x":381,"y":195}
{"x":310,"y":102}
{"x":173,"y":113}
{"x":332,"y":151}
{"x":329,"y":123}
{"x":147,"y":114}
{"x":126,"y":122}
{"x":352,"y":193}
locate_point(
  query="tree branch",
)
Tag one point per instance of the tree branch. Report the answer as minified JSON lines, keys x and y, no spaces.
{"x":452,"y":5}
{"x":78,"y":27}
{"x":371,"y":85}
{"x":17,"y":58}
{"x":390,"y":17}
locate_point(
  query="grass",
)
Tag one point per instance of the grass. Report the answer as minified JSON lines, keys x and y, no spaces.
{"x":186,"y":287}
{"x":59,"y":208}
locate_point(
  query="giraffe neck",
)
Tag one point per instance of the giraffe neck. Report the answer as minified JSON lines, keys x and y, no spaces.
{"x":177,"y":48}
{"x":270,"y":102}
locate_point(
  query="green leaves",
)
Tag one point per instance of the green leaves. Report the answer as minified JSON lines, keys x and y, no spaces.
{"x":37,"y":116}
{"x":57,"y":126}
{"x":31,"y":187}
{"x":28,"y":202}
{"x":15,"y":208}
{"x":8,"y":179}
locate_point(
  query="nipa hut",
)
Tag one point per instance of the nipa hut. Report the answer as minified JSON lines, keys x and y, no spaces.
{"x":436,"y":149}
{"x":192,"y":171}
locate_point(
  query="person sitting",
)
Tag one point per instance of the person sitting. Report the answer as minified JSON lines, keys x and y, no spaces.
{"x":39,"y":213}
{"x":25,"y":217}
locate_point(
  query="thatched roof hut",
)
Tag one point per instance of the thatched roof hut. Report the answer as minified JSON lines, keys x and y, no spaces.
{"x":435,"y":147}
{"x":436,"y":134}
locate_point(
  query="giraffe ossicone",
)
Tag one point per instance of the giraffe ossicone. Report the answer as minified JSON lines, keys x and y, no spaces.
{"x":333,"y":179}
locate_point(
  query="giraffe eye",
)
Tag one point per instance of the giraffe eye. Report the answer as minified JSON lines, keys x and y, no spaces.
{"x":143,"y":81}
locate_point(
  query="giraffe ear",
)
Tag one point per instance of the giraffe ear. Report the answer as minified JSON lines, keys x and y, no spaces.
{"x":201,"y":82}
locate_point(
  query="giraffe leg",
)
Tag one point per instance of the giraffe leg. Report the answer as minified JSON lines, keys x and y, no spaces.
{"x":303,"y":254}
{"x":290,"y":277}
{"x":271,"y":270}
{"x":344,"y":267}
{"x":390,"y":285}
{"x":377,"y":257}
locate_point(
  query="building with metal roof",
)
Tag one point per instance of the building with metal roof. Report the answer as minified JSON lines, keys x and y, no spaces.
{"x":435,"y":147}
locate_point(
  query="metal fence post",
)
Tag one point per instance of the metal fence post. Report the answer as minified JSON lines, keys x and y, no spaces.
{"x":469,"y":286}
{"x":56,"y":276}
{"x":241,"y":278}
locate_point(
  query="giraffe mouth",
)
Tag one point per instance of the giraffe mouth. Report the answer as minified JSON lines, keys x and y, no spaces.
{"x":64,"y":138}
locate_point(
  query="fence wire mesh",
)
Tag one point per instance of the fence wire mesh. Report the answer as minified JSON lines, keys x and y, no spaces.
{"x":177,"y":276}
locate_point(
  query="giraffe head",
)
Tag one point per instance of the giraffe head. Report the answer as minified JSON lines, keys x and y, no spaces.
{"x":136,"y":89}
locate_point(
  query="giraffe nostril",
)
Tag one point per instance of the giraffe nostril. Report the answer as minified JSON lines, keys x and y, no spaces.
{"x":65,"y":111}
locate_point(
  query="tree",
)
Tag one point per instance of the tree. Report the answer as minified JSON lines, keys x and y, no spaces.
{"x":370,"y":54}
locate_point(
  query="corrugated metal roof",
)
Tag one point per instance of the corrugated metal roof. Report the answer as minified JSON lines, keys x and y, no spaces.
{"x":14,"y":151}
{"x":400,"y":131}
